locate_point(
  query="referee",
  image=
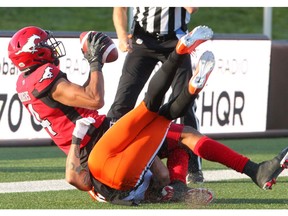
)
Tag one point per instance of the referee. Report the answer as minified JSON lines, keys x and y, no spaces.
{"x":153,"y":36}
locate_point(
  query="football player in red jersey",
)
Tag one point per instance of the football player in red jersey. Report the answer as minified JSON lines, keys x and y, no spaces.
{"x":121,"y":159}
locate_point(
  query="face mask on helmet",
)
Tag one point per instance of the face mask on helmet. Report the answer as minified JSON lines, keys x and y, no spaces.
{"x":32,"y":47}
{"x":57,"y":47}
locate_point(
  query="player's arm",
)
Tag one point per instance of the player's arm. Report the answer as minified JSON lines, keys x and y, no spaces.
{"x":91,"y":95}
{"x":77,"y":175}
{"x":120,"y":20}
{"x":191,"y":10}
{"x":160,"y":173}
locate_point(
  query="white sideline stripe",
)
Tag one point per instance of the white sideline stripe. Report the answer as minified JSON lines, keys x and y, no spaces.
{"x":221,"y":175}
{"x":35,"y":186}
{"x":56,"y":185}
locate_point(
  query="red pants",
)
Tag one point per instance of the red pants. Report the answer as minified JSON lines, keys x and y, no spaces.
{"x":128,"y":148}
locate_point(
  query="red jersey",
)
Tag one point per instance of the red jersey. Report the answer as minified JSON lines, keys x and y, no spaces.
{"x":56,"y":118}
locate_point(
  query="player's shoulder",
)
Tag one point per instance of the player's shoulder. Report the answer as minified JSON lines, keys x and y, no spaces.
{"x":47,"y":72}
{"x":51,"y":67}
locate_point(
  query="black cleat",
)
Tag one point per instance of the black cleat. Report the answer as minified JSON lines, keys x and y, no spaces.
{"x":268,"y":171}
{"x":195,"y":177}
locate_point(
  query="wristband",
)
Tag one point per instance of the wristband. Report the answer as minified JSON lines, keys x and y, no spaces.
{"x":96,"y":66}
{"x":76,"y":140}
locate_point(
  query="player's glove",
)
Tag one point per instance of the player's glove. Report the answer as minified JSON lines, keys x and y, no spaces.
{"x":81,"y":128}
{"x":96,"y":44}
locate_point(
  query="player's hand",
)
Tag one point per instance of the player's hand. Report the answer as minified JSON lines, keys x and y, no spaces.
{"x":125,"y":44}
{"x":82,"y":126}
{"x":96,"y":43}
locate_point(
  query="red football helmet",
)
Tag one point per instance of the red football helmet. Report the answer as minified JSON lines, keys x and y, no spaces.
{"x":31,"y":47}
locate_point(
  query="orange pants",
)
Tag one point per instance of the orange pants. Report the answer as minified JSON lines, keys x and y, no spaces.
{"x":127,"y":149}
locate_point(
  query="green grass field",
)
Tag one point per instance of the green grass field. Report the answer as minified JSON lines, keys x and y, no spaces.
{"x":241,"y":20}
{"x":48,"y":162}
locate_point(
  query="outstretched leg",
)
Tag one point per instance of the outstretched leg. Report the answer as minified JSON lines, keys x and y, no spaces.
{"x":178,"y":106}
{"x":162,"y":80}
{"x":263,"y":174}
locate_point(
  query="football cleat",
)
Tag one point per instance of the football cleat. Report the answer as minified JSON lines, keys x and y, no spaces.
{"x":203,"y":70}
{"x":190,"y":41}
{"x":268,"y":171}
{"x":198,"y":197}
{"x":180,"y":192}
{"x":96,"y":196}
{"x":195,"y":177}
{"x":167,"y":193}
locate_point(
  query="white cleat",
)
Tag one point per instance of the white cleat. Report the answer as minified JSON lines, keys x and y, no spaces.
{"x":203,"y":70}
{"x":190,"y":41}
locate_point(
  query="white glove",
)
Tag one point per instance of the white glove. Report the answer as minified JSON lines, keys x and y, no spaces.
{"x":82,"y":126}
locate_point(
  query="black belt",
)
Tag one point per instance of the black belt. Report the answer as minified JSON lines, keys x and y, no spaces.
{"x":159,"y":37}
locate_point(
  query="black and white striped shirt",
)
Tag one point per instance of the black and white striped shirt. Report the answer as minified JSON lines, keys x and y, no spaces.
{"x":162,"y":20}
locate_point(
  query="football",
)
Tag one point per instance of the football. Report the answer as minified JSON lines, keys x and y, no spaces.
{"x":110,"y":51}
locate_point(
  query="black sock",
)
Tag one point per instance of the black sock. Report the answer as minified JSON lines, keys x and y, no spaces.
{"x":250,"y":169}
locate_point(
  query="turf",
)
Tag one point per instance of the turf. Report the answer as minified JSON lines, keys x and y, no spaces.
{"x":31,"y":163}
{"x":39,"y":163}
{"x":240,"y":20}
{"x":237,"y":194}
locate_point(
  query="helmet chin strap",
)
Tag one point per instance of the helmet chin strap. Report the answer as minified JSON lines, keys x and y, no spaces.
{"x":29,"y":70}
{"x":56,"y":62}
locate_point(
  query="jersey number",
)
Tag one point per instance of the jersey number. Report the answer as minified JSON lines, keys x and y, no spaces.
{"x":45,"y":123}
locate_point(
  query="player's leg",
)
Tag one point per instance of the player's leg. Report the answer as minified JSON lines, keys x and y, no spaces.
{"x":177,"y":190}
{"x":121,"y":157}
{"x":162,"y":80}
{"x":178,"y":106}
{"x":182,"y":77}
{"x":264,"y":174}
